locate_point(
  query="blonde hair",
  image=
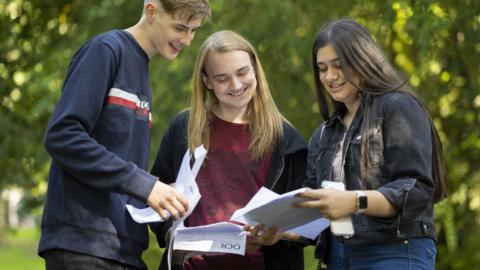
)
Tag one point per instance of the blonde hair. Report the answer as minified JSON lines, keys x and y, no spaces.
{"x":264,"y":119}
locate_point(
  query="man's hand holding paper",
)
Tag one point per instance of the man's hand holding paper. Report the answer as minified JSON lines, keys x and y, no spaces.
{"x":167,"y":201}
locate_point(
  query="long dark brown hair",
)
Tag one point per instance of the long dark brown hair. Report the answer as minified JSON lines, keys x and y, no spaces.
{"x":360,"y":54}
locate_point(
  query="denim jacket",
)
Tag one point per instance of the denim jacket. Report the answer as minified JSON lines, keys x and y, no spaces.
{"x":401,"y":171}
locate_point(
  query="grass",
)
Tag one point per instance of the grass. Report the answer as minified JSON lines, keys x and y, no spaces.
{"x":18,"y":251}
{"x":309,"y":259}
{"x":153,"y":254}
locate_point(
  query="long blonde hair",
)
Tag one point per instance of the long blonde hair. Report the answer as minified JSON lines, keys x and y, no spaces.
{"x":264,"y":119}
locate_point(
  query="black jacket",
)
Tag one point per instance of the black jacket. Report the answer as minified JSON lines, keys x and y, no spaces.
{"x":402,"y":168}
{"x":286,"y":173}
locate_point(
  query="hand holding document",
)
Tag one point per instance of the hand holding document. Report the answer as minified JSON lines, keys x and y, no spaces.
{"x":266,"y":207}
{"x":185,"y":184}
{"x":220,"y":237}
{"x":271,"y":209}
{"x":343,"y":226}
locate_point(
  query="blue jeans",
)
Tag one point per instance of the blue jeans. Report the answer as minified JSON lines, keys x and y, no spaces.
{"x":417,"y":253}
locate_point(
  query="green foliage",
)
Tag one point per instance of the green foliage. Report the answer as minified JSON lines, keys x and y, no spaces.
{"x":153,"y":254}
{"x":18,"y":250}
{"x":436,"y":44}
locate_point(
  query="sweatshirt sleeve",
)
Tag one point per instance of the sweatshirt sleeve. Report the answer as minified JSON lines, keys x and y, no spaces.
{"x":68,"y":136}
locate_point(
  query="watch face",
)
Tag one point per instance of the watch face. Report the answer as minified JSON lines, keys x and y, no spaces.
{"x":362,"y":202}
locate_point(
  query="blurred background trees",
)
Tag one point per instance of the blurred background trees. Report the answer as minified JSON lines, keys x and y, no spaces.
{"x":436,"y":44}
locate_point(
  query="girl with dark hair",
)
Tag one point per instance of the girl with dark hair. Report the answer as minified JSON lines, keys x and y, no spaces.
{"x":380,"y":142}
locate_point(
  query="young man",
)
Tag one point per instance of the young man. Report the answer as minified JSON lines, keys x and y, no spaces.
{"x":99,"y":139}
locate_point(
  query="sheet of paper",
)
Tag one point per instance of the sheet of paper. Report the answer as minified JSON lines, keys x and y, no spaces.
{"x":279,"y":210}
{"x":312,"y":229}
{"x":144,"y":215}
{"x":222,"y":237}
{"x":263,"y":196}
{"x":185,"y":184}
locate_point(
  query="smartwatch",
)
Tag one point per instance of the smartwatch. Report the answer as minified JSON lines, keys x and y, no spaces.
{"x":362,"y":201}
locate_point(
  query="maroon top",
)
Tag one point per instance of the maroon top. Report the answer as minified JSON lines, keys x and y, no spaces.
{"x":227,"y":180}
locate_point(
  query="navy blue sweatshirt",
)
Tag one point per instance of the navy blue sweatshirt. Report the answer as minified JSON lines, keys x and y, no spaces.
{"x":99,"y":140}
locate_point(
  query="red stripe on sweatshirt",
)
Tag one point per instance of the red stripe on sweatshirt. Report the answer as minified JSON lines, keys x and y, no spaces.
{"x":122,"y":102}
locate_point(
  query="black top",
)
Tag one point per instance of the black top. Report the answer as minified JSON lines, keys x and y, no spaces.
{"x":286,"y":173}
